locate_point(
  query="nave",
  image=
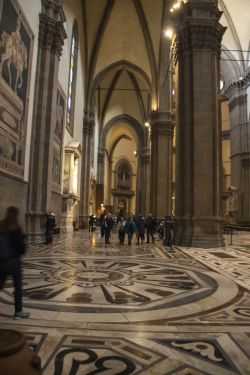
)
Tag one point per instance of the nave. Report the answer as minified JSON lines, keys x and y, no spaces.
{"x":111,"y":309}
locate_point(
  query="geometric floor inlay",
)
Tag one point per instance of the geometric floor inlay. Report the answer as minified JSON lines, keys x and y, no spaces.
{"x":111,"y":309}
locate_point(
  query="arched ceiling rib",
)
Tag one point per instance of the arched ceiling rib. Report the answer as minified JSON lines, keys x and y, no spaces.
{"x":122,"y":30}
{"x":237,"y":36}
{"x":123,"y":124}
{"x":123,"y":39}
{"x":122,"y":90}
{"x":132,"y":31}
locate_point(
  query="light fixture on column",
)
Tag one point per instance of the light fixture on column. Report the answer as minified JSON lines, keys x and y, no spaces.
{"x":169,"y":33}
{"x":147,"y":124}
{"x":135,"y":153}
{"x":175,"y":7}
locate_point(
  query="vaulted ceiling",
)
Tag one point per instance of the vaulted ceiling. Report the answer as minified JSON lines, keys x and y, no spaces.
{"x":127,"y":54}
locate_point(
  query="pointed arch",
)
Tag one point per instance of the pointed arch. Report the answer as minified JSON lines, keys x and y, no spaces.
{"x":117,"y":65}
{"x":129,"y":120}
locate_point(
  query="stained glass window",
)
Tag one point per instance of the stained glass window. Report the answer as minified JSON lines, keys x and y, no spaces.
{"x":72,"y":79}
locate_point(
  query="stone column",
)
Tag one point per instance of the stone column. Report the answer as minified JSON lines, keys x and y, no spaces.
{"x":198,"y":133}
{"x":100,"y":179}
{"x":50,"y":42}
{"x":88,"y":130}
{"x":143,"y":182}
{"x":161,"y":163}
{"x":240,"y":145}
{"x":109,"y":182}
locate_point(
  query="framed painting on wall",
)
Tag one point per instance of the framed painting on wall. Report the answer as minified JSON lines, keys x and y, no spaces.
{"x":16,"y":46}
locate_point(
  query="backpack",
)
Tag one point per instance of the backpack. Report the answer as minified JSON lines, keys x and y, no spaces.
{"x":5,"y":247}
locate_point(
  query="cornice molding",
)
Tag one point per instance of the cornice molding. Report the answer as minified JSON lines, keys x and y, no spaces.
{"x":237,"y":101}
{"x":237,"y":83}
{"x":51,"y":34}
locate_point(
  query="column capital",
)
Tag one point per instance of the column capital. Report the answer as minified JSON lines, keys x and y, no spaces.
{"x":198,"y":27}
{"x":237,"y":101}
{"x":162,"y":124}
{"x":238,"y":84}
{"x":144,"y":155}
{"x":51,"y":34}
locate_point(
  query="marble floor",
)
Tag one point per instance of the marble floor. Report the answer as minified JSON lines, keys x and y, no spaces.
{"x":111,"y":309}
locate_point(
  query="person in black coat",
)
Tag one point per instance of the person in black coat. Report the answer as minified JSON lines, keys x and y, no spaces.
{"x":50,"y":225}
{"x":108,"y":225}
{"x":129,"y":229}
{"x":140,"y":229}
{"x":150,"y":225}
{"x":12,"y":247}
{"x":168,"y":232}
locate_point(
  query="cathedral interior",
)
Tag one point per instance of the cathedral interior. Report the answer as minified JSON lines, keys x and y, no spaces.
{"x":127,"y":107}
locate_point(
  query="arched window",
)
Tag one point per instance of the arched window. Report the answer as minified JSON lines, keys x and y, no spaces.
{"x":72,"y":79}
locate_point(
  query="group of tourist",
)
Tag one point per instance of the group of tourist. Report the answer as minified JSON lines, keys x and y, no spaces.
{"x":135,"y":225}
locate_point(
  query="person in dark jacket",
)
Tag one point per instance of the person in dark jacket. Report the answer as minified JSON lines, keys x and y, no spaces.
{"x":140,"y":229}
{"x":168,"y":232}
{"x":150,"y":225}
{"x":91,"y":224}
{"x":121,"y":231}
{"x":102,"y":223}
{"x":129,"y":229}
{"x":108,"y":225}
{"x":50,"y":225}
{"x":10,"y":257}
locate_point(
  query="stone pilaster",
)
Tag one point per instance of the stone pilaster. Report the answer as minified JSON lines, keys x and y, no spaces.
{"x":240,"y":144}
{"x":198,"y":134}
{"x":143,"y":181}
{"x":50,"y":42}
{"x":100,"y":179}
{"x":161,"y":163}
{"x":88,"y":131}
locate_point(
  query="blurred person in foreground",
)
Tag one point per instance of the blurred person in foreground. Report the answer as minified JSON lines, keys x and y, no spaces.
{"x":12,"y":247}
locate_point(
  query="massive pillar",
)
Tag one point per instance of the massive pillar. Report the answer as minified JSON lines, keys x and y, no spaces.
{"x":100,"y":180}
{"x":87,"y":144}
{"x":162,"y":131}
{"x":161,"y":163}
{"x":240,"y":147}
{"x":198,"y":136}
{"x":142,"y":181}
{"x":50,"y":42}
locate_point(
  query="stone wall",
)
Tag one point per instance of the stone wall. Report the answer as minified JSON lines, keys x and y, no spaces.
{"x":13,"y":192}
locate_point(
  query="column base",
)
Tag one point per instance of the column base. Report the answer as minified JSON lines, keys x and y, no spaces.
{"x":184,"y":232}
{"x":200,"y":232}
{"x":83,"y":221}
{"x":35,"y":226}
{"x":67,"y":225}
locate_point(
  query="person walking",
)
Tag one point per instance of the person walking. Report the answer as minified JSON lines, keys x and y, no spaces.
{"x":102,"y":223}
{"x":129,"y":229}
{"x":121,"y":231}
{"x":150,"y":226}
{"x":114,"y":217}
{"x":140,"y":229}
{"x":91,"y":224}
{"x":108,"y":225}
{"x":12,"y":247}
{"x":168,"y":232}
{"x":50,"y":225}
